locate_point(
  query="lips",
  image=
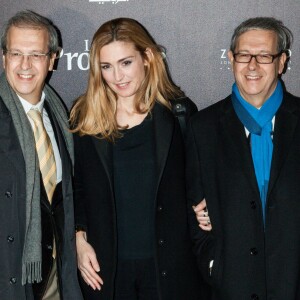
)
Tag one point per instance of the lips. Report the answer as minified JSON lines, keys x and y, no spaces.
{"x":122,"y":85}
{"x":25,"y":76}
{"x":252,"y":77}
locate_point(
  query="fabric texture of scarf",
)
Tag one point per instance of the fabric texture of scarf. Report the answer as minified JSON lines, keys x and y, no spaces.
{"x":32,"y":252}
{"x":259,"y":123}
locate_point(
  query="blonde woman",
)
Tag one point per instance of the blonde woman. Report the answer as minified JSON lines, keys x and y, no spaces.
{"x":132,"y":232}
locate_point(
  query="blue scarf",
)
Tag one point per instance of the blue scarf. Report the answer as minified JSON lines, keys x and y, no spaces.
{"x":259,"y":123}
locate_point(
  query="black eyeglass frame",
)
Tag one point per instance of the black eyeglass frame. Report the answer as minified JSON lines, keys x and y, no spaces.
{"x":273,"y":56}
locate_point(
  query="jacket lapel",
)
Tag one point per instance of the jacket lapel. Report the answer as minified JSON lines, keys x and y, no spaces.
{"x":104,"y":151}
{"x":163,"y":123}
{"x":285,"y":124}
{"x":236,"y":144}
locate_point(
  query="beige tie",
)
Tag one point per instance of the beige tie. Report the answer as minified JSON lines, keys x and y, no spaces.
{"x":45,"y":153}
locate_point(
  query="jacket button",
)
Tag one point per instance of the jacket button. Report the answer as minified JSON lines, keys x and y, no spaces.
{"x":254,"y":297}
{"x":161,"y":242}
{"x":10,"y":239}
{"x":49,"y":247}
{"x":164,"y":273}
{"x":8,"y":194}
{"x":159,"y":208}
{"x":253,"y":251}
{"x":253,"y":204}
{"x":13,"y":280}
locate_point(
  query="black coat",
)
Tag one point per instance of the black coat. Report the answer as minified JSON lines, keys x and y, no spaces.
{"x":177,"y":274}
{"x":250,"y":261}
{"x":13,"y":217}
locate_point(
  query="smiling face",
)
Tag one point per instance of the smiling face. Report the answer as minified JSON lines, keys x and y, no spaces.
{"x":256,"y":82}
{"x":122,"y":68}
{"x":27,"y":77}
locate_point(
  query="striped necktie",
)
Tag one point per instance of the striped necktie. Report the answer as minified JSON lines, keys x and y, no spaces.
{"x":45,"y":153}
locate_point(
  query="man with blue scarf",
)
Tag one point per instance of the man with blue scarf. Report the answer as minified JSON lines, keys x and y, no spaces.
{"x":243,"y":158}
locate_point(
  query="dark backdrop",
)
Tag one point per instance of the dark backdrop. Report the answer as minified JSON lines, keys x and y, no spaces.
{"x":196,"y":34}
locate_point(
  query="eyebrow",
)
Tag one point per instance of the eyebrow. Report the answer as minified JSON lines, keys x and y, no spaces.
{"x":31,"y":51}
{"x":260,"y":52}
{"x":120,"y":60}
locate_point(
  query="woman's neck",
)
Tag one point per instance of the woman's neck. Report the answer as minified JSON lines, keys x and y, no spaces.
{"x":127,"y":114}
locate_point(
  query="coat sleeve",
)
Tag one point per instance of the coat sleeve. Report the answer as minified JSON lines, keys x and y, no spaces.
{"x":203,"y":242}
{"x":79,"y":197}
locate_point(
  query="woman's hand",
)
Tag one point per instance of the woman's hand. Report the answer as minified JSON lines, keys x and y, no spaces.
{"x":202,"y":216}
{"x":87,"y":262}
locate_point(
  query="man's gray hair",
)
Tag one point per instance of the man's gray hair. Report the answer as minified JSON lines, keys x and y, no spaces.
{"x":284,"y":35}
{"x":30,"y":19}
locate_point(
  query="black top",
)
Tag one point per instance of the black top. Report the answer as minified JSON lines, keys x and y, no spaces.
{"x":134,"y":173}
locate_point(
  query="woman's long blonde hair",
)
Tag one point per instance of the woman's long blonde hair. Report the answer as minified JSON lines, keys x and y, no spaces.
{"x":94,"y":113}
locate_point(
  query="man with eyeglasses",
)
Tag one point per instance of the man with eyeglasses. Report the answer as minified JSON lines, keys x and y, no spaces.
{"x":37,"y":250}
{"x":243,"y":159}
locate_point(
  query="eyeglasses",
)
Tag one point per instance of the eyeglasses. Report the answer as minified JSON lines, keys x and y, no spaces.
{"x":16,"y":56}
{"x":260,"y":58}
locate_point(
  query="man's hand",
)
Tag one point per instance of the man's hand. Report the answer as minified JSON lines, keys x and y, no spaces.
{"x":202,"y":216}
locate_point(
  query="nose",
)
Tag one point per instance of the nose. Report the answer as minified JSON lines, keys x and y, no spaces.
{"x":25,"y":62}
{"x":253,"y":63}
{"x":118,"y":74}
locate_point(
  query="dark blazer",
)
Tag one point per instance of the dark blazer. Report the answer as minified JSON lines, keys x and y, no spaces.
{"x":177,"y":275}
{"x":12,"y":216}
{"x":250,"y":261}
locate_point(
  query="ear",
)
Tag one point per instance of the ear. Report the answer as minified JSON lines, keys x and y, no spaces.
{"x":230,"y":56}
{"x":281,"y":63}
{"x":51,"y":63}
{"x":3,"y":60}
{"x":231,"y":59}
{"x":149,"y":55}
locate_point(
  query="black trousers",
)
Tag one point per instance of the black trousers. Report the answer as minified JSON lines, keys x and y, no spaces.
{"x":136,"y":280}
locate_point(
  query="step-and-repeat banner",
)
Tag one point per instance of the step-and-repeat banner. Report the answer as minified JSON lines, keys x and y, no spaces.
{"x":195,"y":33}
